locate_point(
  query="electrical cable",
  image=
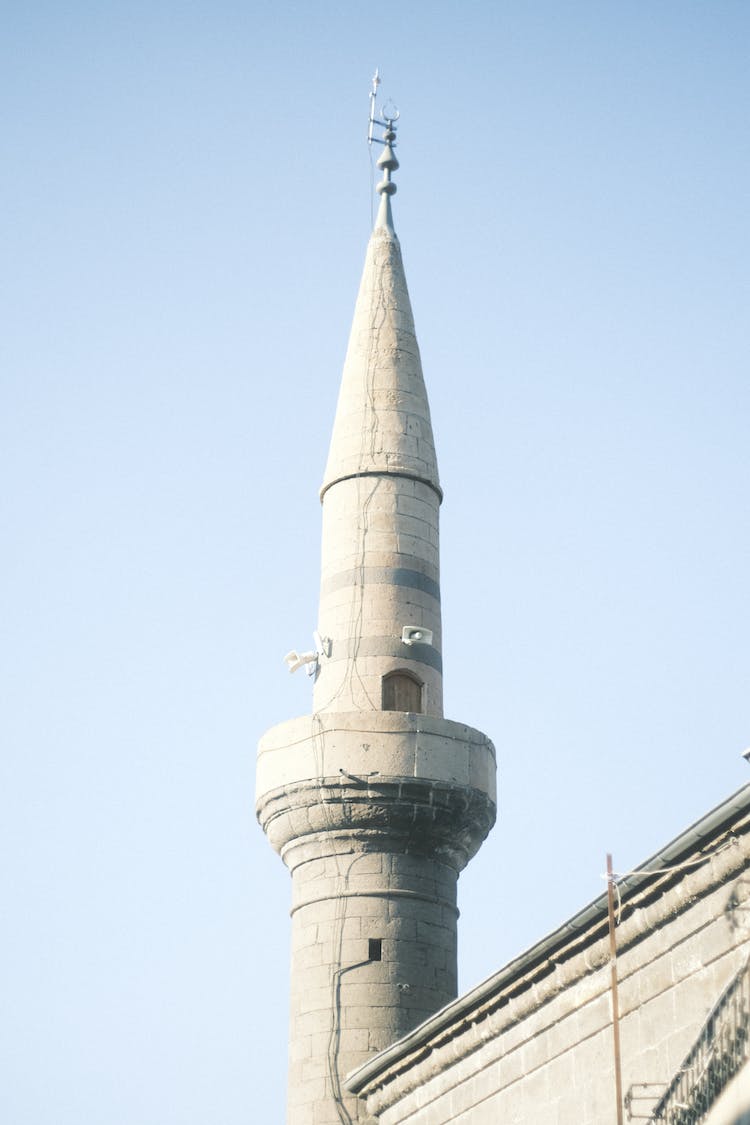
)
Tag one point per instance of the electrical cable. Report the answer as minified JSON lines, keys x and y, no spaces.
{"x":676,"y":867}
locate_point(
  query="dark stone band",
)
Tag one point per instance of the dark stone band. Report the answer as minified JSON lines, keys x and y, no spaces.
{"x":382,"y":575}
{"x":387,"y":646}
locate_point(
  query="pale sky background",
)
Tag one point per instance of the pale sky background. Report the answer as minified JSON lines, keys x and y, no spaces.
{"x":185,"y":204}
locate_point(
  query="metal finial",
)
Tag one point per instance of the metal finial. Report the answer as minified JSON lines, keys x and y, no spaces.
{"x":387,"y":161}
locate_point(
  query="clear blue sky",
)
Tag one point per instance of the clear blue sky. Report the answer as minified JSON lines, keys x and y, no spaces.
{"x":185,"y":204}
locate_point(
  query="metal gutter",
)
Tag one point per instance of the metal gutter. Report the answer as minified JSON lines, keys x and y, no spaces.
{"x":686,"y":843}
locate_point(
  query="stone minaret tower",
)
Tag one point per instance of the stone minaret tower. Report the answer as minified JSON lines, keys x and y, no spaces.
{"x":374,"y":801}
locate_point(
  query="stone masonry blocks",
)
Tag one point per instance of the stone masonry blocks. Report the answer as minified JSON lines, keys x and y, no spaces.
{"x":349,"y":999}
{"x":547,"y":1053}
{"x":373,"y":812}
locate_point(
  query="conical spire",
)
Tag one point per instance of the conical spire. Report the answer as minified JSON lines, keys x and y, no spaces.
{"x":383,"y":417}
{"x":381,"y":496}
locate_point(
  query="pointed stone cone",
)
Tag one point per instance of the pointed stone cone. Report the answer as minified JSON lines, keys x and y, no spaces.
{"x":383,"y":417}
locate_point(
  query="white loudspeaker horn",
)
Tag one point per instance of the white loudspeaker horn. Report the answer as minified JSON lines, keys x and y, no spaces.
{"x":416,"y":635}
{"x":295,"y":660}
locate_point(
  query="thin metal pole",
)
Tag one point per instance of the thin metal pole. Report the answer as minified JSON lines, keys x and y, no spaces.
{"x":615,"y":997}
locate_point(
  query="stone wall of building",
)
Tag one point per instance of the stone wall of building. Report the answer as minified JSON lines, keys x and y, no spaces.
{"x":539,"y":1047}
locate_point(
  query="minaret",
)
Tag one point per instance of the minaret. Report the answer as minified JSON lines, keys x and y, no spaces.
{"x":374,"y":801}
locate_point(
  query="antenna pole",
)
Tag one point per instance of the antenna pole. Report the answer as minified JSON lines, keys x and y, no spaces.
{"x":615,"y":996}
{"x":373,"y":96}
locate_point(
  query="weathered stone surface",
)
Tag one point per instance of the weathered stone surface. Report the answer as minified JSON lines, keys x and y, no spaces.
{"x":381,"y":744}
{"x":373,"y":811}
{"x":541,"y":1047}
{"x":382,"y":372}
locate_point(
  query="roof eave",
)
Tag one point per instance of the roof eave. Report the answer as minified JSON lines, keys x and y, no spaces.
{"x":589,"y":918}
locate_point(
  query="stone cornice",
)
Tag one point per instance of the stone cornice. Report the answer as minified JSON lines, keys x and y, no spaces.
{"x":412,"y":815}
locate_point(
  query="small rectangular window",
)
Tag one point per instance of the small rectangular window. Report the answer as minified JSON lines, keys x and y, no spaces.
{"x":375,"y":949}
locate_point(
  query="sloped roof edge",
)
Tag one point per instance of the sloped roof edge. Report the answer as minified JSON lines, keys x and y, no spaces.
{"x":735,"y":806}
